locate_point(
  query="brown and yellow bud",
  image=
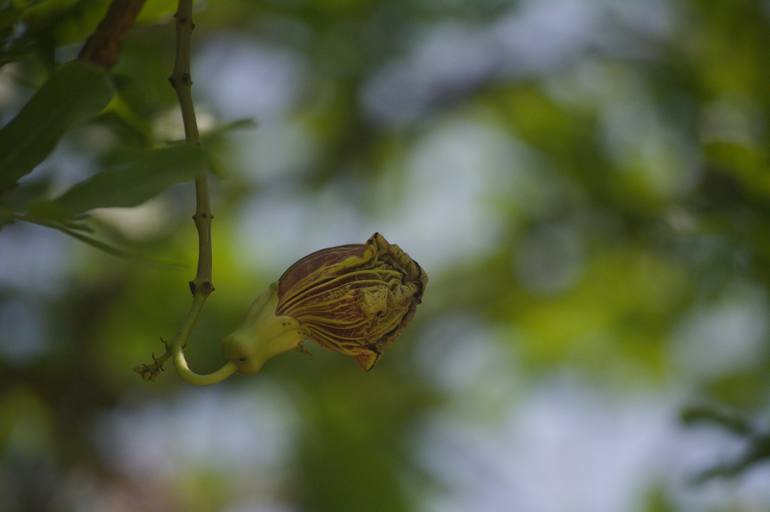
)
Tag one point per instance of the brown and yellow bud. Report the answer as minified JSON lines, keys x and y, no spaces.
{"x":353,"y":299}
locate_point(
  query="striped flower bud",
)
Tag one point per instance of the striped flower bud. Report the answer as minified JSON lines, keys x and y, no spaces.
{"x":353,"y":299}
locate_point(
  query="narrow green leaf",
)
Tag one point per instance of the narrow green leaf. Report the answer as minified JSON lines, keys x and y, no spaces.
{"x":243,"y":123}
{"x":84,"y":234}
{"x":19,"y":198}
{"x":115,"y":250}
{"x":215,"y":165}
{"x":74,"y":93}
{"x":44,"y":12}
{"x":139,"y":177}
{"x":217,"y":135}
{"x":92,"y":241}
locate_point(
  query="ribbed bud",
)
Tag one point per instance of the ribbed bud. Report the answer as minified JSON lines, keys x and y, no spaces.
{"x":353,"y":299}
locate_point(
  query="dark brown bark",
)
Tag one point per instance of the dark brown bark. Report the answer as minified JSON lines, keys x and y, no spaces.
{"x":103,"y":45}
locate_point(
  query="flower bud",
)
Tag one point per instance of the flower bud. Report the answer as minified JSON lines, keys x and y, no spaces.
{"x":353,"y":299}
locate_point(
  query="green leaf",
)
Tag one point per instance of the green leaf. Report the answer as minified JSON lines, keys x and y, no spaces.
{"x":84,"y":233}
{"x":78,"y":23}
{"x":218,"y":132}
{"x":74,"y":93}
{"x":243,"y":123}
{"x":44,"y":12}
{"x":130,"y":182}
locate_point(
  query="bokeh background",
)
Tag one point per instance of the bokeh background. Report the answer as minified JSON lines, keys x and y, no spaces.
{"x":587,"y":184}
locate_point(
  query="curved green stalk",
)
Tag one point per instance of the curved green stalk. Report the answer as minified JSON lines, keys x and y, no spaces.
{"x":177,"y":349}
{"x":199,"y":379}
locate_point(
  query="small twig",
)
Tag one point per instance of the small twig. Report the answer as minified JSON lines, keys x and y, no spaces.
{"x":103,"y":45}
{"x":758,"y":441}
{"x":152,"y":370}
{"x":709,"y":414}
{"x":756,"y":452}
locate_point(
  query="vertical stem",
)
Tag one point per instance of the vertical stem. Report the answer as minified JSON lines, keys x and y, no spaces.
{"x":181,"y":80}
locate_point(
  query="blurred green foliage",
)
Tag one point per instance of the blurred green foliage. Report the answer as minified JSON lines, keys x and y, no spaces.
{"x":75,"y":93}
